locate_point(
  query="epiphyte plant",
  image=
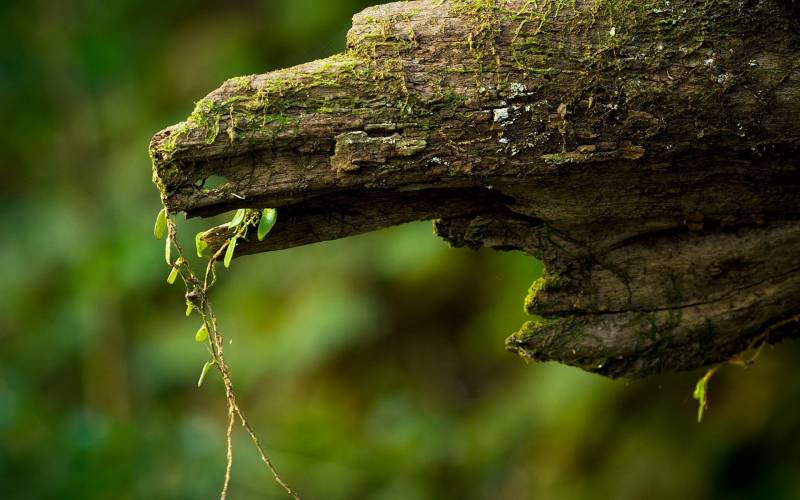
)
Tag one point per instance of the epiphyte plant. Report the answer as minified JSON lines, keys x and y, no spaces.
{"x":245,"y":223}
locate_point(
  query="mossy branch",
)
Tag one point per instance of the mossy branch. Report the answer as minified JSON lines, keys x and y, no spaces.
{"x":646,"y":151}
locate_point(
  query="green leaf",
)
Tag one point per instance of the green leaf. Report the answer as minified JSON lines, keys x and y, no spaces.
{"x":268,"y":219}
{"x":701,"y":393}
{"x":161,"y":224}
{"x":203,"y":373}
{"x":202,"y":334}
{"x":168,"y":251}
{"x":229,"y":252}
{"x":700,"y":390}
{"x":238,"y":218}
{"x":173,"y":275}
{"x":189,"y":308}
{"x":700,"y":396}
{"x":200,"y":244}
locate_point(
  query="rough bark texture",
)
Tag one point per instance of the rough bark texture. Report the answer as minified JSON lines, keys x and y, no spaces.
{"x":645,"y":150}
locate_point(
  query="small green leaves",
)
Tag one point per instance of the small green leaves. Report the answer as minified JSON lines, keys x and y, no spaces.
{"x":701,"y":397}
{"x":158,"y":232}
{"x":203,"y":373}
{"x":168,"y":250}
{"x":229,"y":252}
{"x":238,"y":218}
{"x":701,"y":392}
{"x":202,"y":334}
{"x":161,"y":224}
{"x":268,"y":218}
{"x":176,"y":271}
{"x":189,"y":308}
{"x":173,"y":275}
{"x":200,"y":244}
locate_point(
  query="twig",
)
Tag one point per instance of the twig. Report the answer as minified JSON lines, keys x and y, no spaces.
{"x":216,"y":350}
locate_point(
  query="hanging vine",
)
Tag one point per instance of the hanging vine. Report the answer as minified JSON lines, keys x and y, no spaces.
{"x":245,"y":223}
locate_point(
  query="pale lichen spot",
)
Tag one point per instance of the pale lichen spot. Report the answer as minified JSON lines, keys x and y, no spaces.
{"x":501,"y":115}
{"x":518,"y":89}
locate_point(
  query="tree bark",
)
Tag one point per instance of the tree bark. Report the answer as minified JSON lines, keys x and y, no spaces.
{"x":645,"y":150}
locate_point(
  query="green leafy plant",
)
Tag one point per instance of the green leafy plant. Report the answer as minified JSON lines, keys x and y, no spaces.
{"x":245,"y":223}
{"x":267,"y":221}
{"x":701,"y":392}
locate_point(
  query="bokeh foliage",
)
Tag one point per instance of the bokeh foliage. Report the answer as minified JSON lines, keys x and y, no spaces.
{"x":372,"y":367}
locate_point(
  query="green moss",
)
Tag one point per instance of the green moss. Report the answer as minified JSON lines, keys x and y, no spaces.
{"x":452,"y":100}
{"x":383,"y":46}
{"x":558,"y":339}
{"x":264,"y":109}
{"x":471,"y":7}
{"x":551,"y":280}
{"x":166,"y":150}
{"x":206,"y":115}
{"x":537,"y":286}
{"x":242,"y":83}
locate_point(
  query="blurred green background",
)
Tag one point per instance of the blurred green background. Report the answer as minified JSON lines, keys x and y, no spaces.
{"x":371,"y":367}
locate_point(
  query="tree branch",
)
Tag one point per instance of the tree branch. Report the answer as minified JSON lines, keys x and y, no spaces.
{"x":646,"y":151}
